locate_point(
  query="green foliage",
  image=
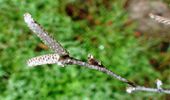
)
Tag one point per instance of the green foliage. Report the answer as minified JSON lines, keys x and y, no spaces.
{"x":106,"y":37}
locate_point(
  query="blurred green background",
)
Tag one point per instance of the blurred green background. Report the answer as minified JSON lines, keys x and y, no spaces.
{"x":82,"y":26}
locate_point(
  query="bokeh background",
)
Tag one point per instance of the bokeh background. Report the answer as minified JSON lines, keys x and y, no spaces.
{"x":97,"y":27}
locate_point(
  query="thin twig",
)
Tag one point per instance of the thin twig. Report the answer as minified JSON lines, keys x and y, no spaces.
{"x":147,"y":89}
{"x":61,"y":57}
{"x":160,"y":19}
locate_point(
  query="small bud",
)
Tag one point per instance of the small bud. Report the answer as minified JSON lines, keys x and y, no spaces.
{"x":130,"y":89}
{"x":151,"y":15}
{"x":93,"y":61}
{"x":90,"y":56}
{"x":159,"y":84}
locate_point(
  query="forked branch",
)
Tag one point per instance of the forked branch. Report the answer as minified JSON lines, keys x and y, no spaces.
{"x":62,"y":57}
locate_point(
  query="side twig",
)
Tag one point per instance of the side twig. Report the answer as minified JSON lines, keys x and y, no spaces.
{"x":61,"y":57}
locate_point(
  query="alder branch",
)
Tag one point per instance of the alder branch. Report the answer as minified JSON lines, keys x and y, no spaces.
{"x":62,"y":57}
